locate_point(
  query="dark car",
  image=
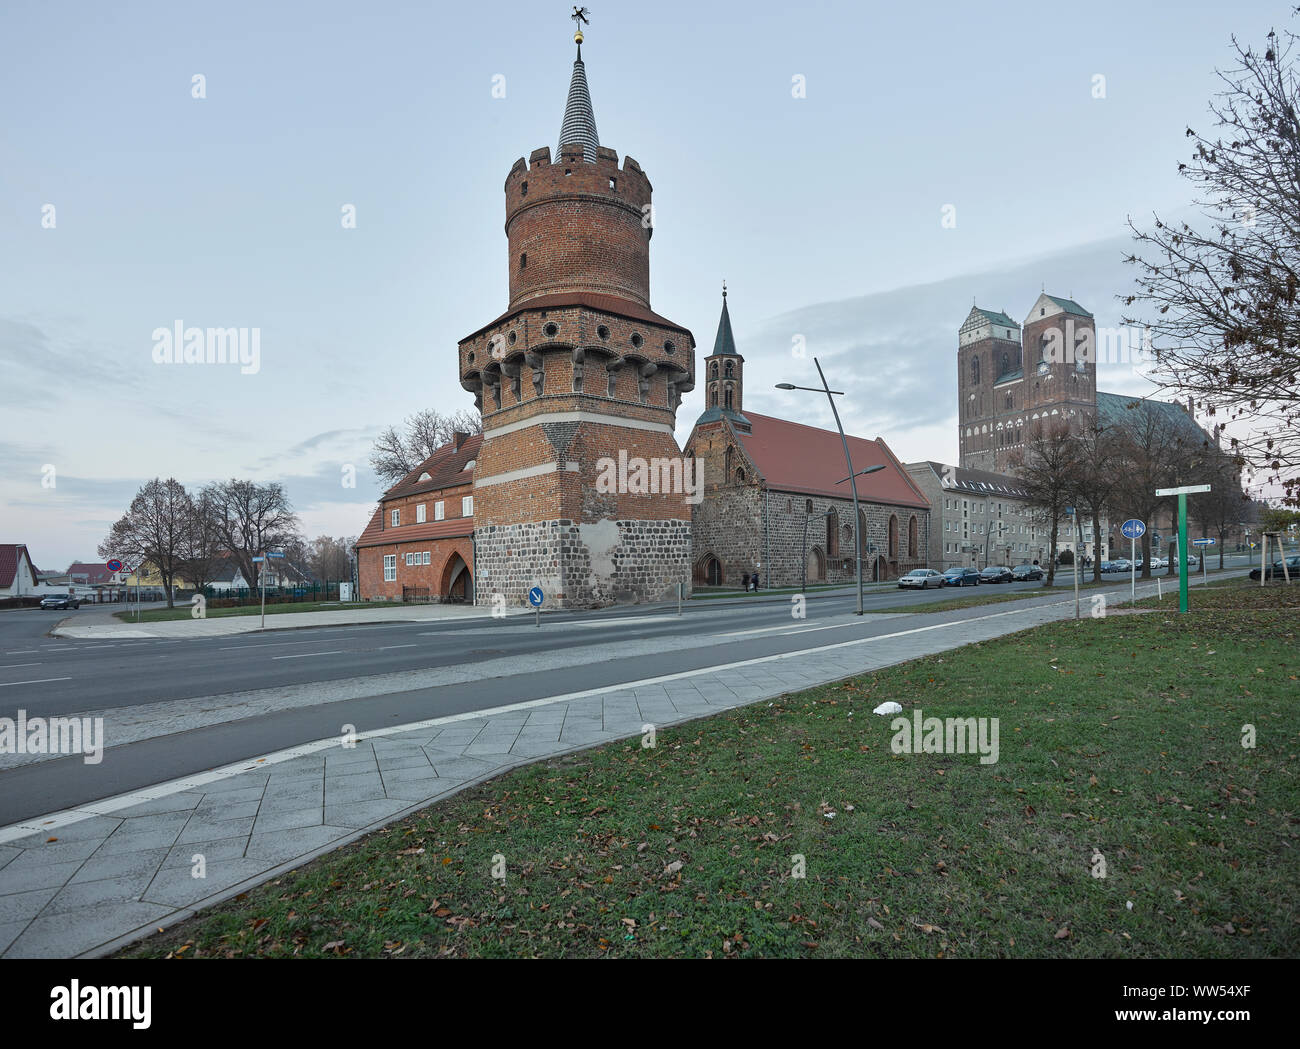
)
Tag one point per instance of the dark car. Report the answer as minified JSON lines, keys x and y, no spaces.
{"x":60,"y":601}
{"x":1024,"y":573}
{"x":961,"y":577}
{"x":1274,"y":570}
{"x":996,"y":574}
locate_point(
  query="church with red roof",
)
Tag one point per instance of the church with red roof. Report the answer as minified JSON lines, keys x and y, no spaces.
{"x":776,"y":499}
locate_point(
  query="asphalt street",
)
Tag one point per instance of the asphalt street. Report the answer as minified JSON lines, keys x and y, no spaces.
{"x":500,"y":661}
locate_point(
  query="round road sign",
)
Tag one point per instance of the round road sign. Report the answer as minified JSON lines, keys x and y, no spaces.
{"x":1132,"y":528}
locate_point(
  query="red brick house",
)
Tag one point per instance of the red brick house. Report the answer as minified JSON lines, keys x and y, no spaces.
{"x":420,"y":542}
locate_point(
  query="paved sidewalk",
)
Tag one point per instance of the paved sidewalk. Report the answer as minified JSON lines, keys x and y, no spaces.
{"x":105,"y":627}
{"x":85,"y":882}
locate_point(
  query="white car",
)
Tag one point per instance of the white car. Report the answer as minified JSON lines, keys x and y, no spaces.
{"x":920,"y":579}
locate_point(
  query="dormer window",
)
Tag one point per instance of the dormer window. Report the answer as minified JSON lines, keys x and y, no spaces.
{"x":425,"y":476}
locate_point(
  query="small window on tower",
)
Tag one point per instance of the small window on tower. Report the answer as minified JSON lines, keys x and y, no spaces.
{"x":603,"y":332}
{"x":523,"y":261}
{"x":637,"y":340}
{"x":523,"y":189}
{"x":613,"y":183}
{"x":551,"y":330}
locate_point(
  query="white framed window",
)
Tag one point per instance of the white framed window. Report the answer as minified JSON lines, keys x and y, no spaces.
{"x":395,"y":517}
{"x":419,"y":514}
{"x":467,"y":506}
{"x":390,"y":567}
{"x":408,"y":560}
{"x":426,"y":557}
{"x":437,"y":510}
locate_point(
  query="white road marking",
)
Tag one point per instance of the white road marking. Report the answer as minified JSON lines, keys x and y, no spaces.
{"x":282,"y":644}
{"x":309,"y":655}
{"x":11,"y":666}
{"x":385,"y":648}
{"x":37,"y":681}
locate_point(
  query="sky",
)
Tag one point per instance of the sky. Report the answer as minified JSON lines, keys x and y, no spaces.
{"x":128,"y":204}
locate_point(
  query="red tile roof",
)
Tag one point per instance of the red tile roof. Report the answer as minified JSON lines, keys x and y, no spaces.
{"x":792,"y":457}
{"x":9,"y":555}
{"x":445,"y":467}
{"x":604,"y":303}
{"x":94,"y":573}
{"x":377,"y":535}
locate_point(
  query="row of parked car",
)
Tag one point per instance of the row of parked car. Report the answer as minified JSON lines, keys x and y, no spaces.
{"x":927,"y":578}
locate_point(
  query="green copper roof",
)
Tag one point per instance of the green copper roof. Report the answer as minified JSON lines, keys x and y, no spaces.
{"x":1070,"y":306}
{"x":725,"y":342}
{"x":998,"y":318}
{"x":1114,"y":409}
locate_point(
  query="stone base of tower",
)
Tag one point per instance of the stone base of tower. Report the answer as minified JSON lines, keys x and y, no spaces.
{"x":582,"y":565}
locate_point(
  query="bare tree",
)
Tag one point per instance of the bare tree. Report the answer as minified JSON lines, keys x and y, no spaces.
{"x":201,"y":549}
{"x":1224,"y":312}
{"x":249,"y":519}
{"x":329,"y":558}
{"x":1096,"y":480}
{"x":1224,"y":506}
{"x":153,"y":530}
{"x":1048,"y":468}
{"x":397,"y":452}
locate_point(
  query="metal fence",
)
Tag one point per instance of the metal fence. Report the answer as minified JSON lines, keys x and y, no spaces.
{"x":320,"y":591}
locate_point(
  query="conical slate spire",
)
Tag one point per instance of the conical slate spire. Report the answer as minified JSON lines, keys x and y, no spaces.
{"x":579,"y":125}
{"x":725,"y":342}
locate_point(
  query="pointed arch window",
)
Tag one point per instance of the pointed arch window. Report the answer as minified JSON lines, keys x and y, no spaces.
{"x":713,"y":370}
{"x":975,"y":370}
{"x":731,"y":368}
{"x":728,"y":398}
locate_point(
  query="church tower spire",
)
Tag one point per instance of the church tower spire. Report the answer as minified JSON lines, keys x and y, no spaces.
{"x":725,"y":371}
{"x":579,"y":127}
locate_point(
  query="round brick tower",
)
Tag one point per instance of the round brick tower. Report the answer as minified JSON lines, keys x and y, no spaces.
{"x":579,"y":383}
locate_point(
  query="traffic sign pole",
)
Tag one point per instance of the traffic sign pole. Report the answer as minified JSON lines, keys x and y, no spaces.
{"x":1182,"y":551}
{"x":1133,"y":571}
{"x":1182,"y":493}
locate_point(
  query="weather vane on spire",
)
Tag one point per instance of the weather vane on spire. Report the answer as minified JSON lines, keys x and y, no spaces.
{"x":580,"y":19}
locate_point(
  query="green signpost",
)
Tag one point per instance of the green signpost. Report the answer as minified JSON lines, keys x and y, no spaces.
{"x":1182,"y":493}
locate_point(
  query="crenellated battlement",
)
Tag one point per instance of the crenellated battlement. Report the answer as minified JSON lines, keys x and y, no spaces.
{"x":544,"y":178}
{"x":578,"y":226}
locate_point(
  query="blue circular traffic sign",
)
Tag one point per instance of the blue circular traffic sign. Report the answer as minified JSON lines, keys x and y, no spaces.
{"x":535,"y":597}
{"x":114,"y":565}
{"x":1132,"y":528}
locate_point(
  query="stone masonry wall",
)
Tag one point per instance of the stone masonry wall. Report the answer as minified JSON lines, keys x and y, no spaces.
{"x":583,"y":565}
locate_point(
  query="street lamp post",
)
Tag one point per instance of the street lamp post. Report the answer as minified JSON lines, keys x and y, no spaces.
{"x":852,"y":478}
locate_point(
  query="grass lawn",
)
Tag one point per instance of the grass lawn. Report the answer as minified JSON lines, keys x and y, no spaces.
{"x":158,"y":615}
{"x":1120,"y":740}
